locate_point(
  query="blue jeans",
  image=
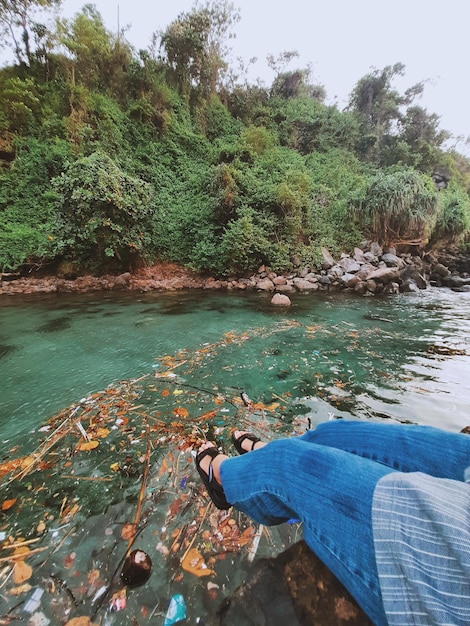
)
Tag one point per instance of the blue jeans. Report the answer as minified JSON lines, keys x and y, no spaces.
{"x":326,"y":478}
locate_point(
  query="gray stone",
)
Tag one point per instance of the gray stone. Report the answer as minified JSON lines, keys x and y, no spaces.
{"x":376,"y":249}
{"x":384,"y":274}
{"x":350,"y":266}
{"x":392,"y":260}
{"x":327,"y":261}
{"x":305,"y":285}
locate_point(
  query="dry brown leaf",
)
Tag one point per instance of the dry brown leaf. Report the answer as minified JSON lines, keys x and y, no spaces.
{"x":88,"y":445}
{"x":127,"y":531}
{"x":7,"y":504}
{"x":194,"y":563}
{"x":22,"y":572}
{"x":80,"y":621}
{"x":17,"y":591}
{"x":102,"y":432}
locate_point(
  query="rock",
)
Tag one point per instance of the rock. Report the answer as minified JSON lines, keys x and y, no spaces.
{"x":440,"y":270}
{"x":384,"y":274}
{"x":122,"y":281}
{"x":358,"y":255}
{"x":280,"y":299}
{"x":335,"y":272}
{"x":392,"y":260}
{"x":294,"y":589}
{"x":349,"y":280}
{"x":280,"y":280}
{"x":313,"y":278}
{"x":327,"y":260}
{"x":265,"y":285}
{"x":285,"y":288}
{"x":455,"y":281}
{"x":376,"y":249}
{"x":305,"y":285}
{"x":350,"y":266}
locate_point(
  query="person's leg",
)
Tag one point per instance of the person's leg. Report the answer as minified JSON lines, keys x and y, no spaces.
{"x":330,"y":491}
{"x":404,"y":447}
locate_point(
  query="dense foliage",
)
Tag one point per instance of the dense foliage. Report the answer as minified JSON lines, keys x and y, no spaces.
{"x":111,"y":157}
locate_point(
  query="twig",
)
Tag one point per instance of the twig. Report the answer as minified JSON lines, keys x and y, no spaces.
{"x":196,"y":533}
{"x":142,"y":489}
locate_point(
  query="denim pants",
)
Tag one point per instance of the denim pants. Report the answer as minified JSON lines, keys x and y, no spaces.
{"x":326,"y":478}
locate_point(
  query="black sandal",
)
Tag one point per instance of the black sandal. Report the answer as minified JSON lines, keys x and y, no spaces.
{"x":237,"y":442}
{"x":215,"y":491}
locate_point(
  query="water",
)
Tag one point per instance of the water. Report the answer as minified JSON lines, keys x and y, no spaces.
{"x":148,"y":376}
{"x":404,"y":358}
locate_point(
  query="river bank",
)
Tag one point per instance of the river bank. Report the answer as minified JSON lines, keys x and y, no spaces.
{"x":369,"y":270}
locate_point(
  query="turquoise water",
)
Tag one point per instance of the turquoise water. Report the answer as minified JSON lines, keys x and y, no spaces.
{"x":404,"y":357}
{"x":156,"y":373}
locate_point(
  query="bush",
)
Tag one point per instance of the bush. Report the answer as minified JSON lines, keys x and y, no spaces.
{"x":103,"y":213}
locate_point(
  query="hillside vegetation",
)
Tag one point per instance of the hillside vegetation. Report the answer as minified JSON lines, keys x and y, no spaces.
{"x":111,"y":158}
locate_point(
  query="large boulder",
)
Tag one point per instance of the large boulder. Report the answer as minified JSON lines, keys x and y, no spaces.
{"x":293,"y":589}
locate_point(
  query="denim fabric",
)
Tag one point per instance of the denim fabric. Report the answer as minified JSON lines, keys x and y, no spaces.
{"x":327,"y":477}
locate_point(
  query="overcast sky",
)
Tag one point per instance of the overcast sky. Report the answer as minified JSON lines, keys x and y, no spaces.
{"x":341,"y":39}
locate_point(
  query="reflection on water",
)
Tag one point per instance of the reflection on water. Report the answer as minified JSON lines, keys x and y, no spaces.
{"x":404,"y":358}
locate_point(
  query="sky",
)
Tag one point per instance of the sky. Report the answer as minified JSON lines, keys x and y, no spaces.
{"x":342,"y":40}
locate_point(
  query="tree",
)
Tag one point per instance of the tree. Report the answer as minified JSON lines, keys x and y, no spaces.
{"x":104,"y":214}
{"x":379,"y":106}
{"x":17,"y":23}
{"x":194,"y":45}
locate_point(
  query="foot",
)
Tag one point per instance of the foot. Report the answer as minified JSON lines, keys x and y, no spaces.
{"x":245,"y":441}
{"x":211,"y":465}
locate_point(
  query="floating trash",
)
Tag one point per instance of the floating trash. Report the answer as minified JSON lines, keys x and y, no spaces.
{"x":176,"y":611}
{"x":136,"y":569}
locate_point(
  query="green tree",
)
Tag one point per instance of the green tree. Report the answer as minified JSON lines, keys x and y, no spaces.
{"x":17,"y":23}
{"x":378,"y":105}
{"x":194,"y":45}
{"x":104,"y":215}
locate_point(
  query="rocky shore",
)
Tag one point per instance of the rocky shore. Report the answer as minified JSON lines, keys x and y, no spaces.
{"x":369,"y":270}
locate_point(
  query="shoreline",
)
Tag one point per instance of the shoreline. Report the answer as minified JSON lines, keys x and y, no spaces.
{"x":368,"y":271}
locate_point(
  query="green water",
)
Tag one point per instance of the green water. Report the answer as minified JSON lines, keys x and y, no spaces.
{"x":374,"y":358}
{"x":403,"y":358}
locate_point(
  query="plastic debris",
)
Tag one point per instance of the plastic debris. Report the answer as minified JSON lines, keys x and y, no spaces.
{"x":176,"y":610}
{"x":33,"y":603}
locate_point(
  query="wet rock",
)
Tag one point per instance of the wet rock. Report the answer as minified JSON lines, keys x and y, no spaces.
{"x":280,"y":299}
{"x":295,"y":588}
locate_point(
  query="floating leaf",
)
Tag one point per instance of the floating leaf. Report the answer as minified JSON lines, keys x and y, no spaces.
{"x":180,"y":411}
{"x":127,"y":531}
{"x":114,"y":467}
{"x":194,"y":563}
{"x":165,"y":393}
{"x":7,"y":504}
{"x":102,"y":432}
{"x":88,"y":445}
{"x":22,"y":572}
